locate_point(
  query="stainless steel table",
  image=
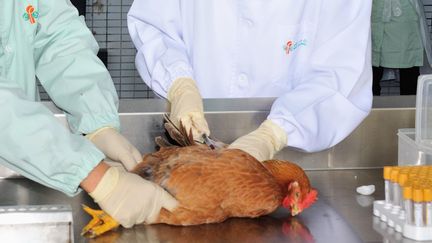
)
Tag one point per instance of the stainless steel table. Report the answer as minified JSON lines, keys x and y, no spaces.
{"x":340,"y":215}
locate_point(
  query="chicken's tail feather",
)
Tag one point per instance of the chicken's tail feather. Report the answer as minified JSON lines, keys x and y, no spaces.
{"x":178,"y":134}
{"x":162,"y":142}
{"x":183,"y":138}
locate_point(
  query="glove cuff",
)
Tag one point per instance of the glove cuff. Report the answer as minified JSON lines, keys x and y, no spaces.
{"x":279,"y":137}
{"x":92,"y":135}
{"x":181,"y":85}
{"x":105,"y":185}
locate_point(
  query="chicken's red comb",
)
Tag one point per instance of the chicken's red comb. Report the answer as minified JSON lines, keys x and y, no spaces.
{"x":310,"y":199}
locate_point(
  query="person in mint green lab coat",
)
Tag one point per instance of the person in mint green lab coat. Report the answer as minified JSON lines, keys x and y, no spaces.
{"x":400,"y":37}
{"x":48,"y":40}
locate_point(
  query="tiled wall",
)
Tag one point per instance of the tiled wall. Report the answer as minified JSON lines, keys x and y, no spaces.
{"x":107,"y":20}
{"x":428,"y":10}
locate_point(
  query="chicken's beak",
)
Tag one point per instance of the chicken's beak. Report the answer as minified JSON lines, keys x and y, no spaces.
{"x":294,"y":210}
{"x":295,"y":207}
{"x":292,"y":201}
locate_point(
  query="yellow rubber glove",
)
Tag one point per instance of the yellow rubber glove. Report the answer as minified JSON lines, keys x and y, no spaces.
{"x":187,"y":107}
{"x":115,"y":146}
{"x":262,"y":143}
{"x":130,"y":199}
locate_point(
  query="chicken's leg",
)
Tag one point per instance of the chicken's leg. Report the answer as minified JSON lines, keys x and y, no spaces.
{"x":100,"y":223}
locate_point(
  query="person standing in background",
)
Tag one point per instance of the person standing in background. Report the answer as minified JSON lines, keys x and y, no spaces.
{"x":400,"y":37}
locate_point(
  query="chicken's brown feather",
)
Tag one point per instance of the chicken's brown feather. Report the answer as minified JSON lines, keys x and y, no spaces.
{"x":212,"y":185}
{"x":285,"y":172}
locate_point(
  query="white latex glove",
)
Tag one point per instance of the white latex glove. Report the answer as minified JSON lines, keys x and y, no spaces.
{"x":130,"y":199}
{"x":187,"y":107}
{"x":115,"y":146}
{"x":262,"y":143}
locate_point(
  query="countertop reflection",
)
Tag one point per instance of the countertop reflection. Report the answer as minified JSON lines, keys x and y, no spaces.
{"x":265,"y":229}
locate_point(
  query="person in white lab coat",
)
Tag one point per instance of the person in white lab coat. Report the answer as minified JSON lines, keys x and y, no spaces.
{"x":315,"y":56}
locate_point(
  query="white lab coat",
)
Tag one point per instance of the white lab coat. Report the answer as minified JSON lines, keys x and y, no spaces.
{"x":239,"y":49}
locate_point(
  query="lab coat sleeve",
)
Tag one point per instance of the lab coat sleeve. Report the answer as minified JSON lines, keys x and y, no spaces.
{"x":36,"y":145}
{"x":69,"y":70}
{"x":335,"y":94}
{"x":155,"y":29}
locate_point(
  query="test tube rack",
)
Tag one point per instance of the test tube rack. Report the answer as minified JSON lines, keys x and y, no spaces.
{"x":394,"y":213}
{"x":395,"y":218}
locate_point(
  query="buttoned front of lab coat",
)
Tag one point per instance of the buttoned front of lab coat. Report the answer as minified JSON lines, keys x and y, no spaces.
{"x":314,"y":56}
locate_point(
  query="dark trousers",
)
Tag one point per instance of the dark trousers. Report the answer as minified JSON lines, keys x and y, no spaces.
{"x":408,"y":80}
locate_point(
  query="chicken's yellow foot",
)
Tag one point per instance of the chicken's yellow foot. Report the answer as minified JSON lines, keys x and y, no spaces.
{"x":100,"y":223}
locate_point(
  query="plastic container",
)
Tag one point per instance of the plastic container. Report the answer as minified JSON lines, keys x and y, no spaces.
{"x":408,"y":205}
{"x":410,"y":152}
{"x":386,"y":175}
{"x":418,"y":201}
{"x":427,"y":193}
{"x":423,"y":123}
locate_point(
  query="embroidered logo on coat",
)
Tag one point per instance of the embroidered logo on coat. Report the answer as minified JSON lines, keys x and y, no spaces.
{"x":291,"y":46}
{"x":31,"y":14}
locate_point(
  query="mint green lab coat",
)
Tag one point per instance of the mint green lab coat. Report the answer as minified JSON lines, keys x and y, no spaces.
{"x":400,"y":34}
{"x":48,"y":40}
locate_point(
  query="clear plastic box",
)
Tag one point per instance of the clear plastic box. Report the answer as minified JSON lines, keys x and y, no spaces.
{"x":410,"y":152}
{"x":423,"y":124}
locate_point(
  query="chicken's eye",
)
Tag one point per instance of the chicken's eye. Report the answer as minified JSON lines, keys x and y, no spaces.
{"x":297,"y":194}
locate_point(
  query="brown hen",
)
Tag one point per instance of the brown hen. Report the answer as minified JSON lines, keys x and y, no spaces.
{"x":212,"y":185}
